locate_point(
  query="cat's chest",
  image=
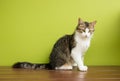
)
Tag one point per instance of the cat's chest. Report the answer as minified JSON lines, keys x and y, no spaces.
{"x":82,"y":45}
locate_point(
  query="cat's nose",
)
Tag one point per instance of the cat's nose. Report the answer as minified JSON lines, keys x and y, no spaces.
{"x":86,"y":36}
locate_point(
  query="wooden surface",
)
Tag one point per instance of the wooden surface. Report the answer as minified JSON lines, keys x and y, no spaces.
{"x":93,"y":74}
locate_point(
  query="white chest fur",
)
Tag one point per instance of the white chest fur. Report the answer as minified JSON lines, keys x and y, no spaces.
{"x":81,"y":44}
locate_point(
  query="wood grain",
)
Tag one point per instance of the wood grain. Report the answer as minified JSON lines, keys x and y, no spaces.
{"x":98,"y":73}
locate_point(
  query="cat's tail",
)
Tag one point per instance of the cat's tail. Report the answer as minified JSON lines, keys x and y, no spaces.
{"x":27,"y":65}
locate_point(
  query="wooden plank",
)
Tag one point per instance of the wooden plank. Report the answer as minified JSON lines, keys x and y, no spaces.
{"x":100,"y":73}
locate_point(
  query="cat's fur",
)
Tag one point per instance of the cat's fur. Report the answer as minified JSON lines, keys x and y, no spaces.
{"x":68,"y":51}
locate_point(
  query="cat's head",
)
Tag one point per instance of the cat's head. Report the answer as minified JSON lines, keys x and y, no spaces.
{"x":85,"y":29}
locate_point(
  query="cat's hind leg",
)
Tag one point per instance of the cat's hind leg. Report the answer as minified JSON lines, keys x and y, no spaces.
{"x":65,"y":67}
{"x":74,"y":64}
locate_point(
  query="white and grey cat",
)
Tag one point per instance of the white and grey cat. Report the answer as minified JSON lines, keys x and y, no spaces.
{"x":68,"y":51}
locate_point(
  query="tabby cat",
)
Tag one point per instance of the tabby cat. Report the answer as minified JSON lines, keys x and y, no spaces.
{"x":68,"y":51}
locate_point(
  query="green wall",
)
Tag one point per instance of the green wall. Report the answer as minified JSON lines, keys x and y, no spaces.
{"x":29,"y":28}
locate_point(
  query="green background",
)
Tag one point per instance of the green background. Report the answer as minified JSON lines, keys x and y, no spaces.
{"x":29,"y":29}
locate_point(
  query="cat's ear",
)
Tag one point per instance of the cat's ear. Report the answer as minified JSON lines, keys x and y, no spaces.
{"x":80,"y":21}
{"x":93,"y":23}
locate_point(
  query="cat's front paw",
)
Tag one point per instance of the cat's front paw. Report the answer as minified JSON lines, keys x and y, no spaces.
{"x":83,"y":68}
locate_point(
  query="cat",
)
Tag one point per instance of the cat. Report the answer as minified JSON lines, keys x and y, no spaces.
{"x":68,"y":51}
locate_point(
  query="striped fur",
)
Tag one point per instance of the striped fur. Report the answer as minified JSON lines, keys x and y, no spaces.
{"x":27,"y":65}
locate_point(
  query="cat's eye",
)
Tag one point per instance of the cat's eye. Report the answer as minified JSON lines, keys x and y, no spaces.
{"x":82,"y":30}
{"x":91,"y":30}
